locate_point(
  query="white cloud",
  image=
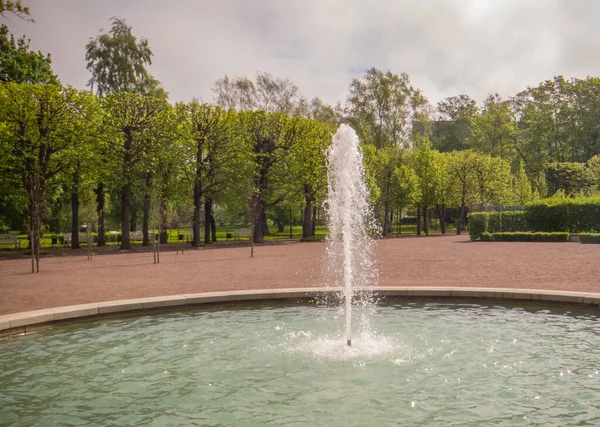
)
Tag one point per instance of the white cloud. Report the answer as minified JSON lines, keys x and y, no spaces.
{"x":448,"y":47}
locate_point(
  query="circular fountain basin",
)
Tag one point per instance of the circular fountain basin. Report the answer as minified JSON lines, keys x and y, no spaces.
{"x":411,"y":363}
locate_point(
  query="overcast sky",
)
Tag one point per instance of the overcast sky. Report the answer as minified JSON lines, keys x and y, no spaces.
{"x":448,"y":47}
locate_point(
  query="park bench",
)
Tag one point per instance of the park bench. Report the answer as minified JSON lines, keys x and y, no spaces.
{"x":10,"y":240}
{"x":68,"y":238}
{"x":242,"y":232}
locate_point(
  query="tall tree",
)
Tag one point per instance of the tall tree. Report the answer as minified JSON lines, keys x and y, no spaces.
{"x":210,"y":140}
{"x":16,"y":8}
{"x":118,"y":62}
{"x":267,"y":92}
{"x":132,"y":119}
{"x":269,"y":137}
{"x":382,"y":106}
{"x":41,"y":128}
{"x":493,"y":130}
{"x":19,"y":64}
{"x":461,"y":165}
{"x":455,"y":119}
{"x":308,"y":170}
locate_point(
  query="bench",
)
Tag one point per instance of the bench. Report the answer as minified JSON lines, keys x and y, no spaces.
{"x":10,"y":240}
{"x":68,"y":238}
{"x":242,"y":232}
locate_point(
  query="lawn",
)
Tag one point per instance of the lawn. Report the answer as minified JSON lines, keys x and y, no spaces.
{"x":222,"y":231}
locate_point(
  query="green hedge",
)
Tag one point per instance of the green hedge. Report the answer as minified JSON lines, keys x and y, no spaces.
{"x":524,"y":237}
{"x":495,"y":222}
{"x":559,"y":214}
{"x":589,"y":238}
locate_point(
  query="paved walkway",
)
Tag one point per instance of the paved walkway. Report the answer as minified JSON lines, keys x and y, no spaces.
{"x":409,"y":261}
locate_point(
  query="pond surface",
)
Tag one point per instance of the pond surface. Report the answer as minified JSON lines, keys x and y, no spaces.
{"x":427,"y":365}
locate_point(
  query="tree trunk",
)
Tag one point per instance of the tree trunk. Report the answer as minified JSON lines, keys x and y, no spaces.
{"x":307,"y":217}
{"x":163,"y":219}
{"x":386,"y":217}
{"x":260,"y":220}
{"x":440,"y":213}
{"x":313,"y":226}
{"x":125,"y":216}
{"x":207,"y":215}
{"x":146,"y":220}
{"x":126,"y":202}
{"x":134,"y":214}
{"x":75,"y":212}
{"x":213,"y":228}
{"x":418,"y":220}
{"x":100,"y":211}
{"x":461,"y":218}
{"x":196,"y":216}
{"x":426,"y":220}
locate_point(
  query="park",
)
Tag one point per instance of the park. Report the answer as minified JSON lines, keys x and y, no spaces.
{"x":246,"y":255}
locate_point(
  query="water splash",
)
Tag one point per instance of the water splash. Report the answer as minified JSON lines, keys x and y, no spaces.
{"x":349,"y":245}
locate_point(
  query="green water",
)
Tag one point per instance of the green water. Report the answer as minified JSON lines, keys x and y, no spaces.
{"x":427,"y":365}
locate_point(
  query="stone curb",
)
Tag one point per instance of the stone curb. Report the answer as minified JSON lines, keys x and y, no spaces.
{"x":19,"y":323}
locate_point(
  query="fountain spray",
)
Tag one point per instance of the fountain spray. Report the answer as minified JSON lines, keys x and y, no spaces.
{"x":349,"y":246}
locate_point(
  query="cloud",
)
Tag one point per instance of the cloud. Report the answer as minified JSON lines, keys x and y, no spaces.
{"x":448,"y":48}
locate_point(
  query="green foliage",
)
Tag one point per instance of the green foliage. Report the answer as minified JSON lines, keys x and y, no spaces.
{"x":382,"y":106}
{"x":495,"y":222}
{"x":493,"y":131}
{"x":118,"y":62}
{"x":16,"y":8}
{"x":524,"y":237}
{"x":19,"y":64}
{"x":569,"y":177}
{"x":564,"y":214}
{"x":522,"y":191}
{"x":589,"y":238}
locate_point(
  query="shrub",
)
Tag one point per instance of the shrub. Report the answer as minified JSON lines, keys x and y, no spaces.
{"x":589,"y":238}
{"x":559,"y":214}
{"x":485,"y":237}
{"x":526,"y":237}
{"x":495,"y":222}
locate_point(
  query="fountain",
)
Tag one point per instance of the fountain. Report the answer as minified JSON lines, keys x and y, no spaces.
{"x":349,"y":246}
{"x":432,"y":363}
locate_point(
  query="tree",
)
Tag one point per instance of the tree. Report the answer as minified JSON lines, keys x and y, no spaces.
{"x":118,"y":62}
{"x":268,"y":93}
{"x":210,"y":146}
{"x":461,"y":166}
{"x":16,"y":8}
{"x":427,"y":168}
{"x":492,"y":180}
{"x":381,"y":108}
{"x":453,"y":127}
{"x":269,"y":137}
{"x":19,"y":64}
{"x":308,"y":170}
{"x":405,"y":185}
{"x":522,"y":187}
{"x":83,"y":163}
{"x":41,"y":128}
{"x":132,"y":119}
{"x":493,"y":131}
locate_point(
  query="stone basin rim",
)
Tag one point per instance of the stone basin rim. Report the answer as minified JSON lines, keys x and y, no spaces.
{"x":23,"y":322}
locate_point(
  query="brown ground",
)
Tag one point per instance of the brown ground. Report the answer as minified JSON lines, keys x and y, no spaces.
{"x":410,"y":261}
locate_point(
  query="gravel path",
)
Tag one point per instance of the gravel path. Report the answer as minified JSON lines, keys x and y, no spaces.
{"x":408,"y":261}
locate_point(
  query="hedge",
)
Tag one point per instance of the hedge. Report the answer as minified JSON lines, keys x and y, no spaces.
{"x":495,"y":222}
{"x":589,"y":238}
{"x":525,"y":237}
{"x":559,"y":214}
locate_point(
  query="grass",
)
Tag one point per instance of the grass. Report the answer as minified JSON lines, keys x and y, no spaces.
{"x":321,"y":232}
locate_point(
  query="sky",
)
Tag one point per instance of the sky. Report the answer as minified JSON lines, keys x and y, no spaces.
{"x":448,"y":47}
